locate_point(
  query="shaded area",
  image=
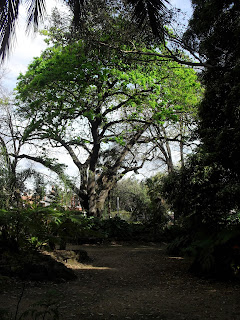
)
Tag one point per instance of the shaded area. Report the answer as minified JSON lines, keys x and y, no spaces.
{"x":133,"y":282}
{"x":34,"y":266}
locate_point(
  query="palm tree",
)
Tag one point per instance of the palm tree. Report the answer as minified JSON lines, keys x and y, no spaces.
{"x":143,"y":10}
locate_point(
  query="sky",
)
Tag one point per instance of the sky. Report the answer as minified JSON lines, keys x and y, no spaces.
{"x":25,"y":47}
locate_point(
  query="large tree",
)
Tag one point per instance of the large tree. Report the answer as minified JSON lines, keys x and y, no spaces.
{"x":214,"y":33}
{"x":208,"y":188}
{"x":88,"y":105}
{"x":97,"y":103}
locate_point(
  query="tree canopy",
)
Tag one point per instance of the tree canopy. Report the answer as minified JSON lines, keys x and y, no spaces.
{"x":144,"y":11}
{"x":214,"y":32}
{"x":97,"y":103}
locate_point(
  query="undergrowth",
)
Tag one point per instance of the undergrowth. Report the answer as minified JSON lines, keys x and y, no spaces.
{"x":45,"y":309}
{"x":215,"y":254}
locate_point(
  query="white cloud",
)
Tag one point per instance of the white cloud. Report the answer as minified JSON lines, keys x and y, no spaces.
{"x":24,"y":50}
{"x":25,"y":46}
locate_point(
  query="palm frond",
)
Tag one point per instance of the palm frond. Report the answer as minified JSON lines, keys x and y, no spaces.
{"x":151,"y":11}
{"x":36,"y":11}
{"x":8,"y":17}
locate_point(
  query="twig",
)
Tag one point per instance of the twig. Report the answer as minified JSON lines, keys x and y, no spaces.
{"x":19,"y":301}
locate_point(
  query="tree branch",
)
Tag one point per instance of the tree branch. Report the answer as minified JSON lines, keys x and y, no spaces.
{"x":171,"y":56}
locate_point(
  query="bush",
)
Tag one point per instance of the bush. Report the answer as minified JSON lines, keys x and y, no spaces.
{"x":29,"y":229}
{"x":201,"y":193}
{"x":118,"y":229}
{"x":217,"y":254}
{"x":34,"y":229}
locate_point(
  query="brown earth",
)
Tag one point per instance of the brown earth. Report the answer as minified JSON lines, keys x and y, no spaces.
{"x":131,"y":282}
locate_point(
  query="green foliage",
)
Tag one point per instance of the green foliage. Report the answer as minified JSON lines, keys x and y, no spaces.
{"x":158,"y":207}
{"x":117,"y":229}
{"x":75,"y":69}
{"x":202,"y":193}
{"x":24,"y":229}
{"x":178,"y":245}
{"x":123,"y":214}
{"x":219,"y":111}
{"x":133,"y":198}
{"x":216,"y":173}
{"x":97,"y":101}
{"x":32,"y":230}
{"x":216,"y":254}
{"x":143,"y":202}
{"x":203,"y":199}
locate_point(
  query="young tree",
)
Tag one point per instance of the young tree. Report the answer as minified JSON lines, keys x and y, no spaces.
{"x":11,"y":146}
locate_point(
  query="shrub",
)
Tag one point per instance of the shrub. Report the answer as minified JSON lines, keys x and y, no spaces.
{"x":217,"y":254}
{"x":117,"y":229}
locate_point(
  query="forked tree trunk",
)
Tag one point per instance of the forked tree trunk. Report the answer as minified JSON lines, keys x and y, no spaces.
{"x":108,"y":180}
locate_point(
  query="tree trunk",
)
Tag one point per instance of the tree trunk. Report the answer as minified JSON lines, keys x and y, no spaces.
{"x":104,"y":193}
{"x":92,"y":209}
{"x":100,"y":204}
{"x":109,"y":204}
{"x":109,"y":178}
{"x":168,"y":156}
{"x":181,"y":141}
{"x":169,"y":164}
{"x":91,"y":187}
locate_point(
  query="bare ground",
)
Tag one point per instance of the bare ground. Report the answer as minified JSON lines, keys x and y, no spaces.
{"x":132,"y":282}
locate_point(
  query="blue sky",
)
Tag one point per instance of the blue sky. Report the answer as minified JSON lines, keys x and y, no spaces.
{"x":28,"y":46}
{"x":184,"y":5}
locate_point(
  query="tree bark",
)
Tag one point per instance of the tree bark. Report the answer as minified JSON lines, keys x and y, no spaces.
{"x":91,"y":190}
{"x":109,"y":178}
{"x":181,"y":141}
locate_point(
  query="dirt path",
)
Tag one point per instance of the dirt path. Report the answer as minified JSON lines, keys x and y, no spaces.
{"x":134,"y":282}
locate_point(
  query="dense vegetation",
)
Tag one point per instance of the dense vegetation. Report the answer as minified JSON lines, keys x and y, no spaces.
{"x":205,"y":193}
{"x":116,"y":99}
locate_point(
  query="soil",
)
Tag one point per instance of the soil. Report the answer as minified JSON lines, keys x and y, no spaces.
{"x":130,"y":282}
